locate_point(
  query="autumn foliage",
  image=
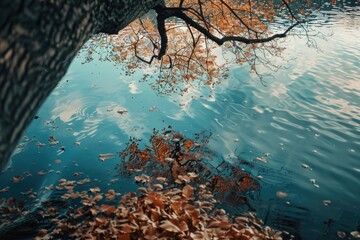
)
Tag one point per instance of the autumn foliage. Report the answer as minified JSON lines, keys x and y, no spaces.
{"x":173,"y":156}
{"x":192,"y":43}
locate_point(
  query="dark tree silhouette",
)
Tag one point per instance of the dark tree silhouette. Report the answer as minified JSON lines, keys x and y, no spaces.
{"x":38,"y":40}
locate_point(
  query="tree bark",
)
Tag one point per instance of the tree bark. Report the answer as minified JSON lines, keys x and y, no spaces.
{"x":38,"y":40}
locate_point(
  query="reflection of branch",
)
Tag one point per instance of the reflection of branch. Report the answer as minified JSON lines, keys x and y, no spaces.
{"x":164,"y":13}
{"x":173,"y":12}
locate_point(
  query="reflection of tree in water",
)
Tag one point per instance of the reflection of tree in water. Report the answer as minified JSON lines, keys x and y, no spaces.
{"x":171,"y":154}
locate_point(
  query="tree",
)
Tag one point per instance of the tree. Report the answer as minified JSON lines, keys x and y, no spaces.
{"x":39,"y":39}
{"x":183,"y":39}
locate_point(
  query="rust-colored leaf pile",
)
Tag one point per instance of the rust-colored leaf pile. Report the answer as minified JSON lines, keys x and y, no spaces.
{"x":173,"y":156}
{"x":157,"y":212}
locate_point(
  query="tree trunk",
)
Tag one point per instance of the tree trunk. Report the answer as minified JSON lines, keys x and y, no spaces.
{"x":38,"y":41}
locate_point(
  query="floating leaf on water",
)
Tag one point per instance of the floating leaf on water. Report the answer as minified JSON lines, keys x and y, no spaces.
{"x":42,"y":232}
{"x":355,"y":234}
{"x":98,"y":197}
{"x":281,"y":194}
{"x":242,"y":220}
{"x":143,"y":190}
{"x":6,"y":189}
{"x":184,"y":178}
{"x":107,"y":209}
{"x":111,"y":194}
{"x":94,"y":189}
{"x":202,"y":186}
{"x":183,"y":226}
{"x":341,"y":234}
{"x":57,"y":161}
{"x":170,"y":160}
{"x":39,"y":144}
{"x":76,"y":174}
{"x":85,"y":180}
{"x":161,"y":179}
{"x":261,"y":159}
{"x":143,"y":178}
{"x":192,"y":175}
{"x":123,"y":111}
{"x":188,"y":192}
{"x":53,"y":141}
{"x":305,"y":166}
{"x":105,"y":156}
{"x":50,"y":187}
{"x":170,"y":227}
{"x":42,"y":172}
{"x":27,"y":192}
{"x":326,"y":202}
{"x":158,"y":187}
{"x":153,"y":108}
{"x":100,"y":220}
{"x":17,"y":179}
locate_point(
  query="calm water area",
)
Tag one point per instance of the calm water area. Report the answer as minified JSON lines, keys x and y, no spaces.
{"x":308,"y":115}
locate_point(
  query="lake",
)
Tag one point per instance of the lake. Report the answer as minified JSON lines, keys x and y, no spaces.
{"x":305,"y":121}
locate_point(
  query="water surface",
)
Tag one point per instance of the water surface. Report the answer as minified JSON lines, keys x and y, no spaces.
{"x":308,"y":113}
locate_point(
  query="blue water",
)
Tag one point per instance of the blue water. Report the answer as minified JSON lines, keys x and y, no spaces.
{"x":308,"y":113}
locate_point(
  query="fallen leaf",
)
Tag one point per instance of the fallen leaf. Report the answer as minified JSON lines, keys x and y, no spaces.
{"x":39,"y":144}
{"x":261,"y":159}
{"x":341,"y":234}
{"x":94,"y":189}
{"x":6,"y":189}
{"x":158,"y":187}
{"x":305,"y":166}
{"x":192,"y":175}
{"x":281,"y":194}
{"x":122,"y":111}
{"x":42,"y":172}
{"x":161,"y":179}
{"x":17,"y":179}
{"x":107,"y":209}
{"x":355,"y":234}
{"x":105,"y":156}
{"x":170,"y":227}
{"x":188,"y":192}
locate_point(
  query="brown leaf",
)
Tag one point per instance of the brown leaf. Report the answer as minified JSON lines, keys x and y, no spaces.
{"x":183,"y":226}
{"x":17,"y":179}
{"x":100,"y":220}
{"x":170,"y":227}
{"x":6,"y":189}
{"x":105,"y":156}
{"x":94,"y":190}
{"x":188,"y":192}
{"x":107,"y":209}
{"x":158,"y":187}
{"x":124,"y":237}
